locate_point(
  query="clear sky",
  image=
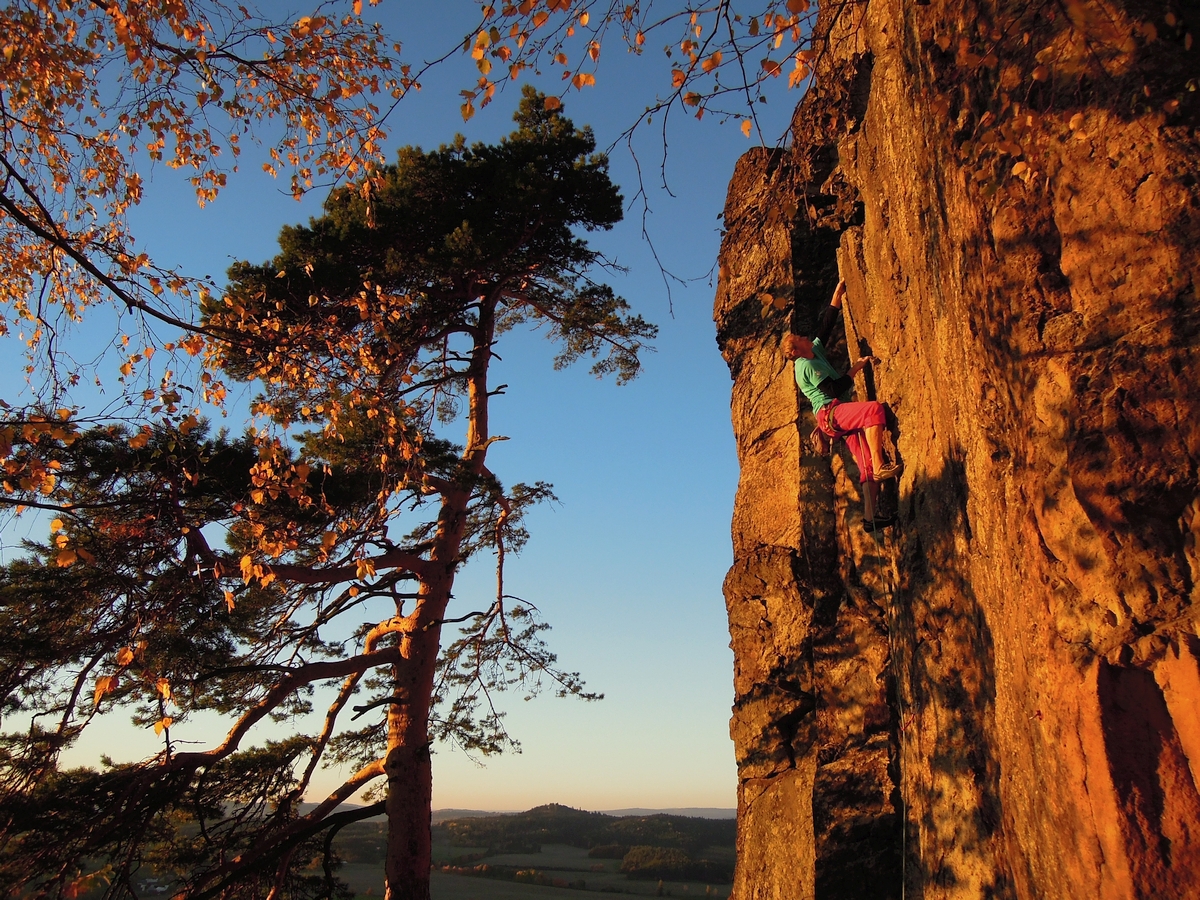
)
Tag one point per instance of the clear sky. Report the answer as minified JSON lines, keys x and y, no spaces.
{"x":628,"y":567}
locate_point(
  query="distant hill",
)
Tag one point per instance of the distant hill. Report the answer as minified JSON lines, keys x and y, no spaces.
{"x":442,"y":815}
{"x":556,"y":824}
{"x":695,"y":812}
{"x":445,"y":815}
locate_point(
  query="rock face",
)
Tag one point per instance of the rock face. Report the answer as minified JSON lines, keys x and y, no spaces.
{"x":1001,"y":696}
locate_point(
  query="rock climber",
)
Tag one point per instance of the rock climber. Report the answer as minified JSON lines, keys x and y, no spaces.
{"x":859,"y":423}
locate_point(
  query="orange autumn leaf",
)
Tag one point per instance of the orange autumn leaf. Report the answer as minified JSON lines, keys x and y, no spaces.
{"x":106,"y":684}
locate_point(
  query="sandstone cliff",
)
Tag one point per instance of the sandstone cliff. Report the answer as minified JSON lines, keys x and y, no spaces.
{"x":1001,"y":696}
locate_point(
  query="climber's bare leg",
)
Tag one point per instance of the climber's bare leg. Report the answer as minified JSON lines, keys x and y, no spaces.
{"x":874,"y":436}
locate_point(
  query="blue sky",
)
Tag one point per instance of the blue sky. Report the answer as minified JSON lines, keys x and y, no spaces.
{"x":628,"y":567}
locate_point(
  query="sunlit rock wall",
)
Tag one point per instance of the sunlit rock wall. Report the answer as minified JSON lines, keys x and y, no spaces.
{"x":1000,"y":697}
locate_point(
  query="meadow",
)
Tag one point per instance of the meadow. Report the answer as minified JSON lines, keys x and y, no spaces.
{"x":556,"y":852}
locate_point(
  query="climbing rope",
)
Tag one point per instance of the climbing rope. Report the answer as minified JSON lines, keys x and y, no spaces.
{"x":902,"y":730}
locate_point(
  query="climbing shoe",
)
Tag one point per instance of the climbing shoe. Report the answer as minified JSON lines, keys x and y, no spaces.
{"x":889,"y":471}
{"x":870,"y":526}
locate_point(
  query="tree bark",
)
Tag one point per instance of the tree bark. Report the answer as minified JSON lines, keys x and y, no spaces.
{"x":408,"y":805}
{"x":408,"y":763}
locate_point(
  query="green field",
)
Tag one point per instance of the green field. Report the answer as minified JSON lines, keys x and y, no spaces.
{"x":556,"y":861}
{"x":544,"y":853}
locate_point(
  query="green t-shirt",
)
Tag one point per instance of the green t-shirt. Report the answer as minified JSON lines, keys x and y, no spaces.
{"x":811,"y":372}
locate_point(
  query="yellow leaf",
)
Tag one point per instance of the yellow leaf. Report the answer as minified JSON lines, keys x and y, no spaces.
{"x":248,"y":568}
{"x":104,"y":685}
{"x":126,"y":369}
{"x":747,"y":126}
{"x":583,"y":20}
{"x":162,"y":724}
{"x":484,"y":65}
{"x":594,"y":49}
{"x":124,"y":656}
{"x":365,"y":568}
{"x":678,"y":77}
{"x":691,"y":98}
{"x":797,"y":6}
{"x":798,"y":74}
{"x":164,"y":688}
{"x":358,"y":7}
{"x":67,"y":558}
{"x":771,"y":67}
{"x":754,"y":27}
{"x":539,"y":18}
{"x":712,"y":62}
{"x":583,"y":79}
{"x":56,"y":525}
{"x":229,"y":600}
{"x":553,"y":103}
{"x":328,"y":539}
{"x":467,"y":110}
{"x":140,"y":440}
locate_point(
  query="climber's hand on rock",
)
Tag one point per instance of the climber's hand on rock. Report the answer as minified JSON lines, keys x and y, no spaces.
{"x":839,"y":294}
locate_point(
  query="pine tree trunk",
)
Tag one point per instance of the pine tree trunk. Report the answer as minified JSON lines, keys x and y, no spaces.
{"x":410,"y":793}
{"x":409,"y":773}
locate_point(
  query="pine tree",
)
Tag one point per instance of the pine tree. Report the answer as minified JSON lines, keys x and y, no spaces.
{"x":346,"y":518}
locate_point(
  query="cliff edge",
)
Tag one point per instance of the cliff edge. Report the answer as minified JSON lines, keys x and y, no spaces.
{"x":999,"y":697}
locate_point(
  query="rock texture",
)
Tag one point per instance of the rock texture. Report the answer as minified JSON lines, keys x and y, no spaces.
{"x":1001,"y":696}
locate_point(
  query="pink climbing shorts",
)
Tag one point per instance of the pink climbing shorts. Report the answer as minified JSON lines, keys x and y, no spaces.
{"x":857,"y":415}
{"x":849,"y":419}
